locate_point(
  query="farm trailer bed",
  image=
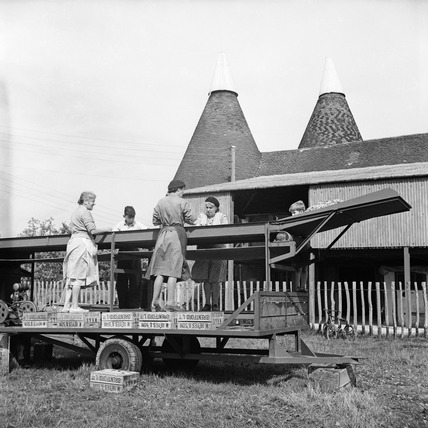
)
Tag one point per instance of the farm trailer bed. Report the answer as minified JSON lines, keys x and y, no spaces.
{"x":275,"y":314}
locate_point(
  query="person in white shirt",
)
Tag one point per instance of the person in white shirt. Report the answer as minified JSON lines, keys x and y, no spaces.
{"x":211,"y":272}
{"x":128,"y":287}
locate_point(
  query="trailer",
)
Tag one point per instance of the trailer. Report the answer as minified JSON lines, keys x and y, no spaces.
{"x":266,"y":315}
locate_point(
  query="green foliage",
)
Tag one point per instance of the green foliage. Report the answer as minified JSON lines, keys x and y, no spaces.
{"x":53,"y":271}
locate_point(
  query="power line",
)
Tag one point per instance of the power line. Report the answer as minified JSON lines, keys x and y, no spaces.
{"x":111,"y":160}
{"x":83,"y":137}
{"x":115,"y":177}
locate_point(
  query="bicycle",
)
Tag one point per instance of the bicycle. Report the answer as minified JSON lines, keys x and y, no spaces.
{"x":332,"y":331}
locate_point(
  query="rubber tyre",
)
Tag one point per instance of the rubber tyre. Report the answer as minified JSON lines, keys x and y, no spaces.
{"x":329,"y":332}
{"x":119,"y":354}
{"x":350,"y":333}
{"x":180,"y":363}
{"x":138,"y":353}
{"x":4,"y":311}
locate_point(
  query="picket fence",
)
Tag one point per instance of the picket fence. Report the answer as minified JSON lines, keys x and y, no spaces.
{"x":374,"y":308}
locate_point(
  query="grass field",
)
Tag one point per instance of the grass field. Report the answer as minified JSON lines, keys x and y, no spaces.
{"x":392,"y":391}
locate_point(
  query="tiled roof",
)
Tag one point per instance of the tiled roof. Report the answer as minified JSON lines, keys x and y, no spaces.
{"x":383,"y":172}
{"x":331,"y":123}
{"x":360,"y":154}
{"x":207,"y":159}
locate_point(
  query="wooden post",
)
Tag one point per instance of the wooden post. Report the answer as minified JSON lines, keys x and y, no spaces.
{"x":348,"y":303}
{"x":311,"y":303}
{"x":339,"y":297}
{"x":417,"y":309}
{"x":320,"y":313}
{"x":394,"y":309}
{"x":378,"y":308}
{"x":325,"y":300}
{"x":332,"y":302}
{"x":400,"y":306}
{"x":385,"y":305}
{"x":407,"y":287}
{"x":369,"y":298}
{"x":363,"y":309}
{"x":354,"y":304}
{"x":424,"y":295}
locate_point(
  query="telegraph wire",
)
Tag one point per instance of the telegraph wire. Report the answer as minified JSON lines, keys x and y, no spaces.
{"x":62,"y":204}
{"x":49,"y":191}
{"x":84,"y":137}
{"x":83,"y":174}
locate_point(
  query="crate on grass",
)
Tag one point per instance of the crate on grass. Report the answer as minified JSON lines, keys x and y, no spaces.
{"x":111,"y":380}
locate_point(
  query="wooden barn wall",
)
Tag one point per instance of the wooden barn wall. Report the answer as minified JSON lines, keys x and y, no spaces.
{"x":397,"y":230}
{"x":198,"y":203}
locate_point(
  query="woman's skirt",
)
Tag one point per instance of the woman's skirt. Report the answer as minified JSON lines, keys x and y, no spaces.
{"x":80,"y":265}
{"x":169,"y":254}
{"x":210,"y":270}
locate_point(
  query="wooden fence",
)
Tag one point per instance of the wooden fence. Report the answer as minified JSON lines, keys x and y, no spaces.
{"x":377,"y":308}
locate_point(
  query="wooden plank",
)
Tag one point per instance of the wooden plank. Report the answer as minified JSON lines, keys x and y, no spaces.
{"x":354,"y":304}
{"x":386,"y":306}
{"x":348,"y":303}
{"x":378,"y":310}
{"x":400,"y":308}
{"x":394,"y":309}
{"x":369,"y":299}
{"x":320,"y":312}
{"x":339,"y":295}
{"x":417,"y":308}
{"x":363,"y":309}
{"x":425,"y":299}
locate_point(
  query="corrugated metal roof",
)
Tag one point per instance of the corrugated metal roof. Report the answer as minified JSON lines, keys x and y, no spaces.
{"x":318,"y":177}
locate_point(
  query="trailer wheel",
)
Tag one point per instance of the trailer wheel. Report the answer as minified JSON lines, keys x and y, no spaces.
{"x":138,"y":352}
{"x":189,"y":345}
{"x":4,"y":311}
{"x":119,"y":354}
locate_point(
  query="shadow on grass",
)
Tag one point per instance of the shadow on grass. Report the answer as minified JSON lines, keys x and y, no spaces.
{"x":215,"y":372}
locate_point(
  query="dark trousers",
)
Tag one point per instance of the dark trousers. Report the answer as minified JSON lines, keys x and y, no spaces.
{"x":128,"y":286}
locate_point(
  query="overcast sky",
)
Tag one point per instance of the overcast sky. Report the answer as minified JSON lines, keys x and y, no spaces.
{"x":105,"y":95}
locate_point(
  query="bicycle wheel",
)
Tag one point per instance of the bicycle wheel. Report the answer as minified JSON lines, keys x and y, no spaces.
{"x":329,"y":331}
{"x":349,"y":332}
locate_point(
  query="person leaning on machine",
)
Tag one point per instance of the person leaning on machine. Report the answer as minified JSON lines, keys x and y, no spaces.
{"x":128,"y":285}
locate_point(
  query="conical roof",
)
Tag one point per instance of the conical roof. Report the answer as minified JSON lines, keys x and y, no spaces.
{"x":208,"y":158}
{"x":332,"y":121}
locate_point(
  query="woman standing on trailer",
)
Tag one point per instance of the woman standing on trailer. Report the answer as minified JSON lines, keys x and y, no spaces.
{"x":210,"y":272}
{"x":169,"y":256}
{"x":80,"y":268}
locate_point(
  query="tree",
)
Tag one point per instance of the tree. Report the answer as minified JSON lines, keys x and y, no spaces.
{"x":53,"y":271}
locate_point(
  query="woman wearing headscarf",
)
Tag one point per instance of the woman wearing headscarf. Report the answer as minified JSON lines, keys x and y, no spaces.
{"x":210,"y":272}
{"x":168,"y":262}
{"x":80,"y":267}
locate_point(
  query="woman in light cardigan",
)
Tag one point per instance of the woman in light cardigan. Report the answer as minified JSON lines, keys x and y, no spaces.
{"x":80,"y":267}
{"x":210,"y":272}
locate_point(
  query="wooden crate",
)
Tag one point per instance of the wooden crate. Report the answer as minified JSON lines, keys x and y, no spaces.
{"x":156,"y":320}
{"x":119,"y":320}
{"x":115,"y":381}
{"x":35,"y":319}
{"x":329,"y":379}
